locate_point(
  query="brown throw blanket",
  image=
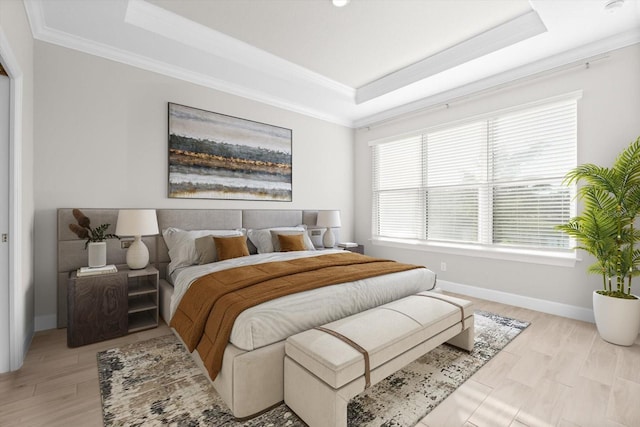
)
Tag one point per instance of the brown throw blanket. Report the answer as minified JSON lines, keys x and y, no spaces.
{"x":206,"y":313}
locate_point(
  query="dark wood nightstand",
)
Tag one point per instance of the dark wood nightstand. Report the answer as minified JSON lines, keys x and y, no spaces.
{"x":107,"y":306}
{"x":357,"y":249}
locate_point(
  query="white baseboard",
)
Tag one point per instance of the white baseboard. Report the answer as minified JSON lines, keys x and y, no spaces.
{"x":42,"y":323}
{"x":550,"y":307}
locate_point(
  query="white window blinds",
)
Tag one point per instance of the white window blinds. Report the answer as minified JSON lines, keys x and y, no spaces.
{"x":531,"y":152}
{"x":496,"y":181}
{"x":400,"y":188}
{"x":456,"y":174}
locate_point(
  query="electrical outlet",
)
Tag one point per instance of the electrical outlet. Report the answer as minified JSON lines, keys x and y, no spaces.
{"x":443,"y":266}
{"x":316,"y":232}
{"x":124,"y":244}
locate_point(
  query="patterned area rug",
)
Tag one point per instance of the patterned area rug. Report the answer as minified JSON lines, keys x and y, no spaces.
{"x":156,"y":382}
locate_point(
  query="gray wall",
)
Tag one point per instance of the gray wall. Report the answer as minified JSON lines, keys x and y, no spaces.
{"x":607,"y":122}
{"x":101,"y":142}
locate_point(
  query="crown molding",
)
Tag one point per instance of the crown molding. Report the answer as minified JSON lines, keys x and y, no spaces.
{"x":560,"y":61}
{"x":35,"y":15}
{"x":42,"y":32}
{"x":254,"y":74}
{"x":509,"y":33}
{"x":175,"y":27}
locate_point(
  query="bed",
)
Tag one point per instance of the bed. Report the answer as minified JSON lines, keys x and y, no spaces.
{"x":251,"y":376}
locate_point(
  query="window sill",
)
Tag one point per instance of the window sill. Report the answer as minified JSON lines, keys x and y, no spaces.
{"x":555,"y":258}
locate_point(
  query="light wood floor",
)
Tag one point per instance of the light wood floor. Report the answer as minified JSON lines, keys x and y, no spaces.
{"x":558,"y":372}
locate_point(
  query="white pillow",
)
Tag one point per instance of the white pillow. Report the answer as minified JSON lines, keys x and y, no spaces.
{"x":264,"y":241}
{"x":182,"y":245}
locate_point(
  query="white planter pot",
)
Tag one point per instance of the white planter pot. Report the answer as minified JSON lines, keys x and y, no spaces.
{"x":618,"y":320}
{"x":97,"y":254}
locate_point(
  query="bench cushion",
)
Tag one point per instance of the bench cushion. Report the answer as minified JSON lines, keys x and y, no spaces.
{"x":415,"y":319}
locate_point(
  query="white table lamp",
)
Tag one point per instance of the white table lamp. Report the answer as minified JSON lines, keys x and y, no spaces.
{"x":328,"y":219}
{"x":137,"y":223}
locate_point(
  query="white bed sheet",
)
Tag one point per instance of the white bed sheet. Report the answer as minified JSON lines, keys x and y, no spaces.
{"x":278,"y":319}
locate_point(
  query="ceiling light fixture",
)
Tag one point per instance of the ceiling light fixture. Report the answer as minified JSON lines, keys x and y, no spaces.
{"x":340,"y":3}
{"x":613,"y":5}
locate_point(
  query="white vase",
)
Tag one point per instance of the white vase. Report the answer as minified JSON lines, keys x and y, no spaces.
{"x":617,"y":319}
{"x":97,"y":254}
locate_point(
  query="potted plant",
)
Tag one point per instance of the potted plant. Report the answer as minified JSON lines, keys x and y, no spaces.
{"x":606,"y":230}
{"x":96,"y":238}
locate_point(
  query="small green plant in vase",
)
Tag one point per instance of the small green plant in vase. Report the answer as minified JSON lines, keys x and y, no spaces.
{"x":97,"y":235}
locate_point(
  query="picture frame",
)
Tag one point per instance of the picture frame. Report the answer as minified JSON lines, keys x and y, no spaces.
{"x":217,"y":156}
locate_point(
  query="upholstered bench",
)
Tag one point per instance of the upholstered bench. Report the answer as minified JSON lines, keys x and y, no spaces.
{"x":325,"y":367}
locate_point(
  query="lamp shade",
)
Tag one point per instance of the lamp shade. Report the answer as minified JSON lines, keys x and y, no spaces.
{"x":137,"y":222}
{"x":328,"y":219}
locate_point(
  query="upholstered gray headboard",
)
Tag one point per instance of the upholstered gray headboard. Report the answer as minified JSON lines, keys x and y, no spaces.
{"x":71,"y":253}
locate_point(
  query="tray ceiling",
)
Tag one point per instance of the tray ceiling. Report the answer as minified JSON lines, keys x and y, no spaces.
{"x":355,"y":65}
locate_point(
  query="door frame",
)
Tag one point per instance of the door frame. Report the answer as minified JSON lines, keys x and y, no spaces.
{"x":19,"y":337}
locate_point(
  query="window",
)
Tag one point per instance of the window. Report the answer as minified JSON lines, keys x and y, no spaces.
{"x":495,"y":182}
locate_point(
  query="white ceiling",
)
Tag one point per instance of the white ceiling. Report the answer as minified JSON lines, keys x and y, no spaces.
{"x":355,"y":65}
{"x":353,"y":45}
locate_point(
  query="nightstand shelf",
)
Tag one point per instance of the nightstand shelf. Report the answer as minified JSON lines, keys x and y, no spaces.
{"x":141,"y":303}
{"x":107,"y":306}
{"x":142,"y":320}
{"x":140,"y":288}
{"x":142,"y":292}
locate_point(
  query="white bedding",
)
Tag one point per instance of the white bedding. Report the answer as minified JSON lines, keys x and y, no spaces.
{"x":278,"y":319}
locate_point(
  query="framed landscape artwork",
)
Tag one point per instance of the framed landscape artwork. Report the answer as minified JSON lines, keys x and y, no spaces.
{"x":215,"y":156}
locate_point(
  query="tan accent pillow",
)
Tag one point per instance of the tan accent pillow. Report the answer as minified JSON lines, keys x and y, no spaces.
{"x":206,"y":249}
{"x":291,"y":242}
{"x":305,"y":239}
{"x":231,"y":247}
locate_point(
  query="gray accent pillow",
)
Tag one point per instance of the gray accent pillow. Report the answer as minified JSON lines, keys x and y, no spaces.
{"x":206,"y":249}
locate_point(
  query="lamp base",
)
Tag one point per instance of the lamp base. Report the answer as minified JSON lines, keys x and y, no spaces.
{"x":328,"y":240}
{"x":137,"y":254}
